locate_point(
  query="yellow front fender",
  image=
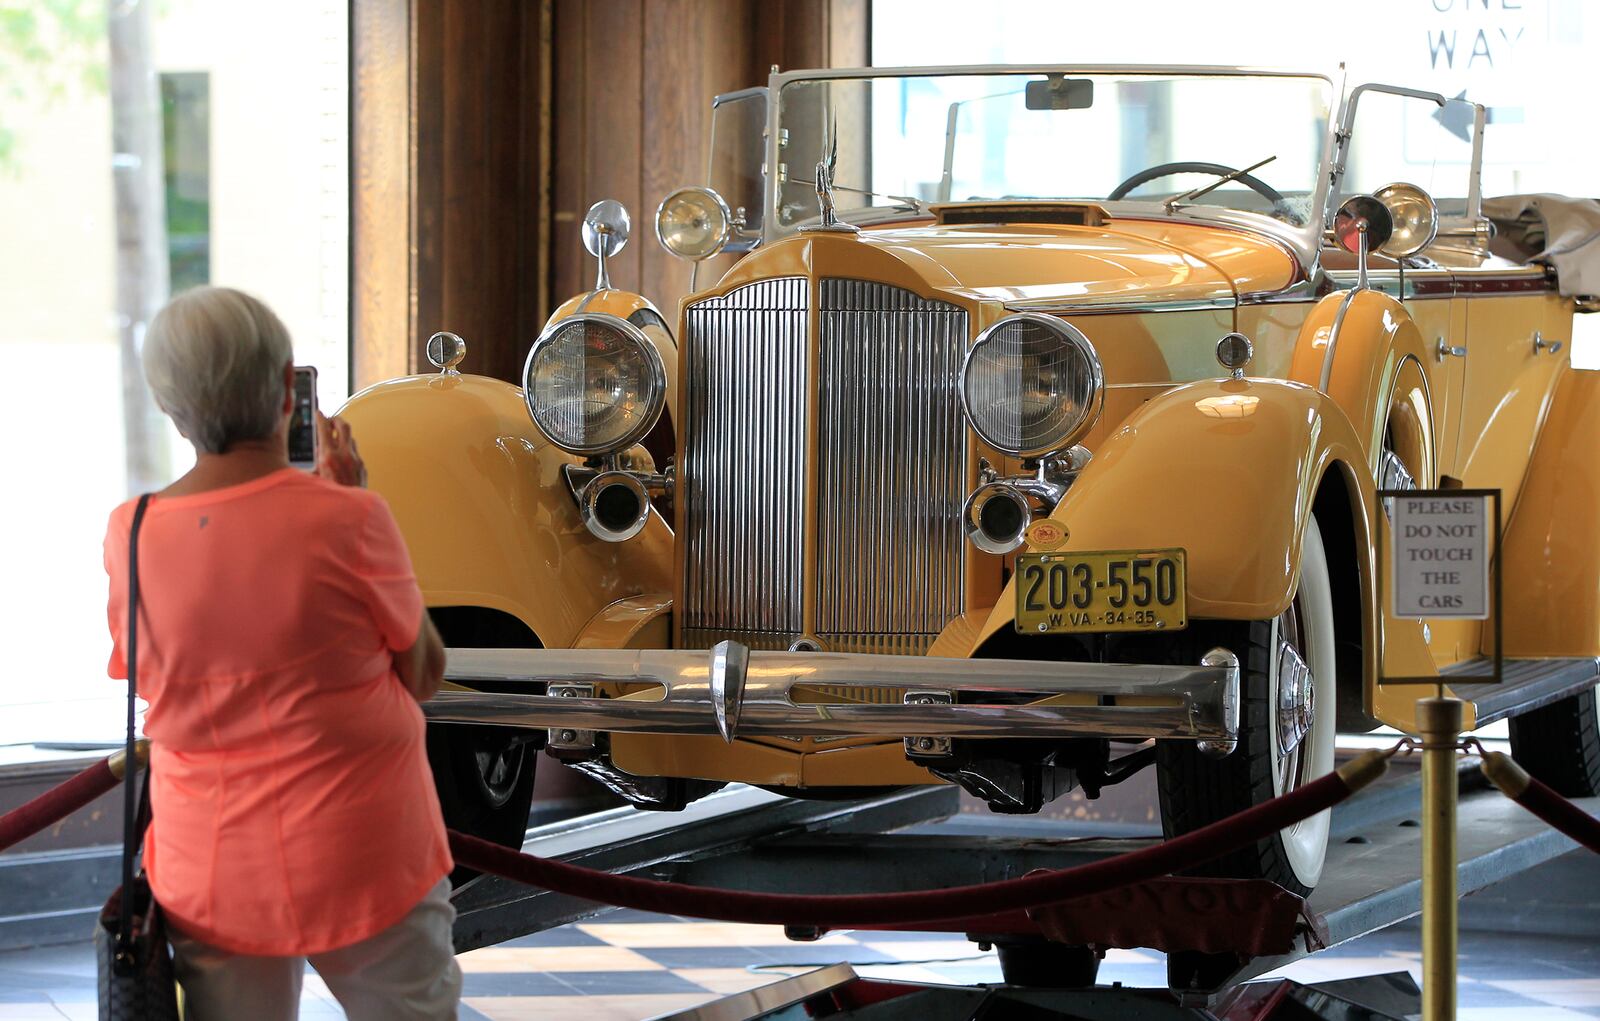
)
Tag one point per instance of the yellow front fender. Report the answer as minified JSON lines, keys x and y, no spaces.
{"x":1375,"y":373}
{"x":486,"y":511}
{"x":1229,"y":470}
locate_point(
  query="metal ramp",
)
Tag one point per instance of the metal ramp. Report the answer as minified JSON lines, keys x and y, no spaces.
{"x":751,"y":840}
{"x":722,"y":827}
{"x":1527,"y":684}
{"x":836,"y":992}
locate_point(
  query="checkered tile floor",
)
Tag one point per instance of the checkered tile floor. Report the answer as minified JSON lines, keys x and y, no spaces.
{"x":627,"y":966}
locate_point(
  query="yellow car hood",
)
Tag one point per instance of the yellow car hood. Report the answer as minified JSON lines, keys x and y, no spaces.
{"x":1124,"y":261}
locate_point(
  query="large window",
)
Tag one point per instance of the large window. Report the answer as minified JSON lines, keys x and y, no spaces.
{"x":1531,"y":62}
{"x":184,"y":142}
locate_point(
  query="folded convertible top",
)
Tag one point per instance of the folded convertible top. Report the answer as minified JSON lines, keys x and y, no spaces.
{"x":1554,"y":230}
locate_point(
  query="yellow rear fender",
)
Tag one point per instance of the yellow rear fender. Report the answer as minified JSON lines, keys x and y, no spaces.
{"x":1375,"y":374}
{"x":486,"y":510}
{"x":1551,"y":561}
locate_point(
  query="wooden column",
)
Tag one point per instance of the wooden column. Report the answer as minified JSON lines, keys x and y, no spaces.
{"x":447,"y":169}
{"x":482,"y":130}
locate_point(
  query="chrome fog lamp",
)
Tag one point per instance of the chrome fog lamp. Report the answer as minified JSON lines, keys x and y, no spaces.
{"x":1031,"y":384}
{"x":996,"y":517}
{"x":614,"y":506}
{"x":594,"y":384}
{"x":693,"y":223}
{"x":998,"y":513}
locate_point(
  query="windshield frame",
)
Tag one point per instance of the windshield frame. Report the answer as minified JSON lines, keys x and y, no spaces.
{"x":1305,"y":240}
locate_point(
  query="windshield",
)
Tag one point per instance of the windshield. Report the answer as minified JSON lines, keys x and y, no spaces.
{"x":908,"y":139}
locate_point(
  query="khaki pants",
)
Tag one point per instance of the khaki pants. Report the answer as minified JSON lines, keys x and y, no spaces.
{"x":407,"y":972}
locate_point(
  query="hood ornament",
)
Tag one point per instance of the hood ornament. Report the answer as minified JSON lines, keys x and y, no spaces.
{"x":828,"y":220}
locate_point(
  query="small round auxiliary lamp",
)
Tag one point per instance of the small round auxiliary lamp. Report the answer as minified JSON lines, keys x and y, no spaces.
{"x":445,"y":351}
{"x":1234,"y":352}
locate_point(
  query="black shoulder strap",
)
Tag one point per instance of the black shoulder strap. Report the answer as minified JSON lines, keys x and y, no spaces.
{"x":132,"y":830}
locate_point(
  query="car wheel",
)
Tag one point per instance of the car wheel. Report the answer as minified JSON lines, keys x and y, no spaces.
{"x":484,"y":776}
{"x":1559,"y":744}
{"x":1286,"y":735}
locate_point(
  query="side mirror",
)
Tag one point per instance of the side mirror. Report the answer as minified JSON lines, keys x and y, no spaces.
{"x":605,"y":232}
{"x":1362,"y":218}
{"x":1415,"y":216}
{"x":1362,"y":225}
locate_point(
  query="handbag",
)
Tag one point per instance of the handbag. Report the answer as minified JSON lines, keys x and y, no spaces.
{"x":133,"y":960}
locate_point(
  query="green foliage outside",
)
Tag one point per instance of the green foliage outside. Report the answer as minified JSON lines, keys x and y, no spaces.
{"x":47,"y":48}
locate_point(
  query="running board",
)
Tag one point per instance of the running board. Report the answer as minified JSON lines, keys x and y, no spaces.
{"x":1526,"y":684}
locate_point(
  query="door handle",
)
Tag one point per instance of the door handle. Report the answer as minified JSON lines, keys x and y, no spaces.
{"x":1540,"y":344}
{"x":1451,"y":351}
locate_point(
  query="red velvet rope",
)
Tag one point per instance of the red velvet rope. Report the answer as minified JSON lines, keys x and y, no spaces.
{"x":854,"y":910}
{"x":1561,"y":814}
{"x":848,"y":911}
{"x":56,"y":803}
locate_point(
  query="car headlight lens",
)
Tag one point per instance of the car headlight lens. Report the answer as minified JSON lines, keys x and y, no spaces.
{"x":594,"y":384}
{"x":693,"y":223}
{"x":1031,"y":384}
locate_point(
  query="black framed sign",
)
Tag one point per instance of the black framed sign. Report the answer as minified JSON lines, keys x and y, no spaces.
{"x":1441,"y":560}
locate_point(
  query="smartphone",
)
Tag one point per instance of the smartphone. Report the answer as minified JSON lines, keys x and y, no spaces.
{"x":303,"y":420}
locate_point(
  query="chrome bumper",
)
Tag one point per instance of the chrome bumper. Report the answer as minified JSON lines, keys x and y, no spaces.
{"x":731,"y":691}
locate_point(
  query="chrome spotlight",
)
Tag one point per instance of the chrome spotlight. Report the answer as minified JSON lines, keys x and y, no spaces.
{"x":1415,"y":216}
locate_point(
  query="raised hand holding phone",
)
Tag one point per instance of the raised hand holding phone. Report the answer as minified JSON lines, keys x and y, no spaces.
{"x":338,"y":458}
{"x":304,"y":433}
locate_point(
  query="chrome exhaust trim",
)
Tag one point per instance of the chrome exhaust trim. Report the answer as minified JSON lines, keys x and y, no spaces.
{"x":734,"y":692}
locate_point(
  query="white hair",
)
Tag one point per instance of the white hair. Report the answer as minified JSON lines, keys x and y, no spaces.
{"x":215,"y":359}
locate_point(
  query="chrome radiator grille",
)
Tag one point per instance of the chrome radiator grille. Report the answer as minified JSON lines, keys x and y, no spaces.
{"x":744,"y":461}
{"x":891,"y":449}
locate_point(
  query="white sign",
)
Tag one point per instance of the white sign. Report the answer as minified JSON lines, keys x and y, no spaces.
{"x":1441,"y":554}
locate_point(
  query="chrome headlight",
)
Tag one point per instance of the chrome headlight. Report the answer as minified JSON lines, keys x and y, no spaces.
{"x":594,"y":384}
{"x":693,"y":223}
{"x":1031,"y":384}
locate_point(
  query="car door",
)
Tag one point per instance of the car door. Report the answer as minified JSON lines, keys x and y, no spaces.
{"x":1518,"y":337}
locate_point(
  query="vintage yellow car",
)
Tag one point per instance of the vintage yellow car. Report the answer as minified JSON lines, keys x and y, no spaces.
{"x":1034,"y":438}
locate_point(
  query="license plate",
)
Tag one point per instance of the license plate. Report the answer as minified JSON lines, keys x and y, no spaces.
{"x":1121,"y":590}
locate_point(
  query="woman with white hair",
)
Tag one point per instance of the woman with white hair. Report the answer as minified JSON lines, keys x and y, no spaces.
{"x":283,"y":650}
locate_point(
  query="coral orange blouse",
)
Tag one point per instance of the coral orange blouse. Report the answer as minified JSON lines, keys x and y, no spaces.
{"x":293,"y":809}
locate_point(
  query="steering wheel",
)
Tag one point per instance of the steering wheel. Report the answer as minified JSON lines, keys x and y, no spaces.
{"x":1279,"y":206}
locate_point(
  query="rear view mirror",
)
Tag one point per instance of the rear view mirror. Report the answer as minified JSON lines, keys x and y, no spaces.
{"x":1058,"y":92}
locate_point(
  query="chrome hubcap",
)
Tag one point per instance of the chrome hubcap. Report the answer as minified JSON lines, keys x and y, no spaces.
{"x":1296,"y":698}
{"x":1393,"y":473}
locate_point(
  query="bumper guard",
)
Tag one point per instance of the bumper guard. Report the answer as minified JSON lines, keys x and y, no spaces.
{"x":732,"y":691}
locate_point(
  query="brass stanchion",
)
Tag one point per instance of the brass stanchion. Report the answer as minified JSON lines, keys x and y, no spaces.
{"x":1439,"y":722}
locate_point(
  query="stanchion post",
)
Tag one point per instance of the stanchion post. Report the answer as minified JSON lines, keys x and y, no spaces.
{"x":1439,"y":722}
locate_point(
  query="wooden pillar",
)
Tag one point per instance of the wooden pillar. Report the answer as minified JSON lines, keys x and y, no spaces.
{"x":482,"y":130}
{"x":448,"y":204}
